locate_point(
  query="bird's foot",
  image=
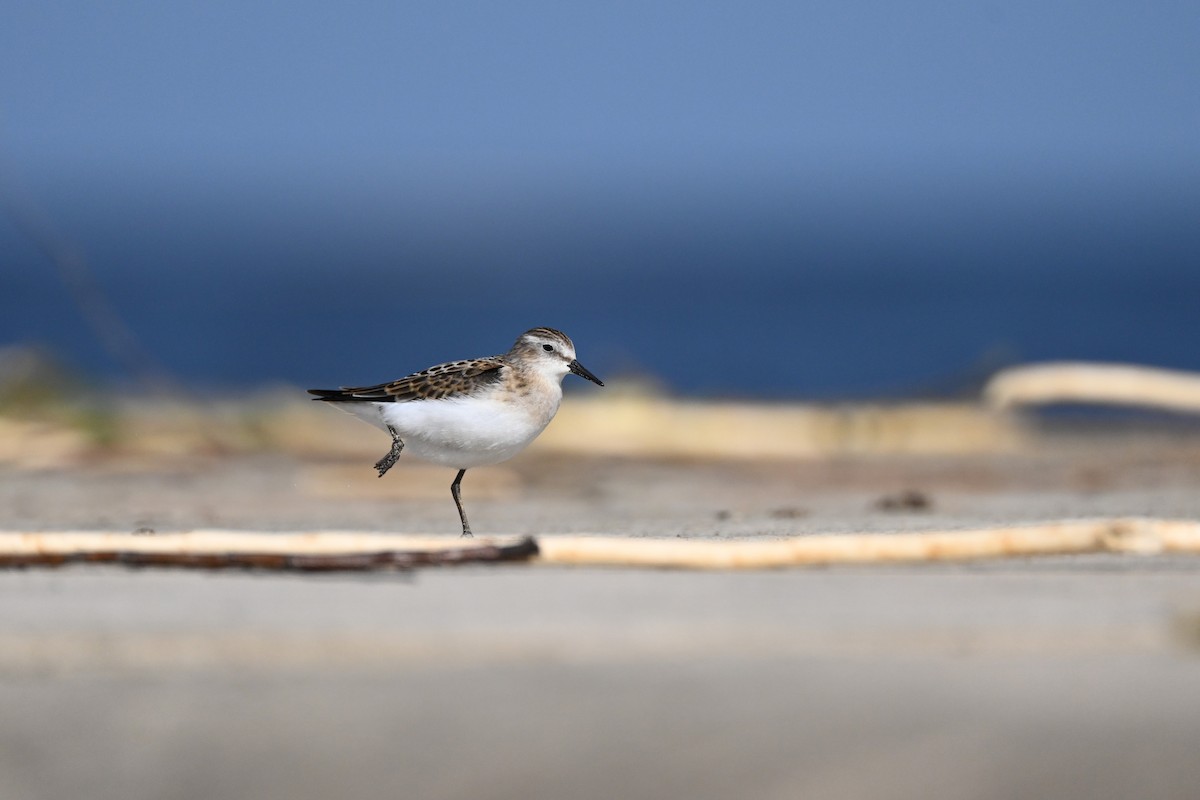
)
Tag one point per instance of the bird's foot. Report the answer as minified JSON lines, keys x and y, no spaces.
{"x":389,"y":461}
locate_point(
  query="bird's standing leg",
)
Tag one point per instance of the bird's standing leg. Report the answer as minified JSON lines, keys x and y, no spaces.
{"x":389,"y":461}
{"x":454,"y":490}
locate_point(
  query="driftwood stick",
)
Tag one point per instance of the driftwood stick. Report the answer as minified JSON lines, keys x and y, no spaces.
{"x":1142,"y":536}
{"x":1083,"y":382}
{"x":222,"y":541}
{"x":359,"y":551}
{"x":313,"y":561}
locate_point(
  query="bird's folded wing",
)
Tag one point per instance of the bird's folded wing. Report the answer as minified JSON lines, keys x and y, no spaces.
{"x":453,"y":379}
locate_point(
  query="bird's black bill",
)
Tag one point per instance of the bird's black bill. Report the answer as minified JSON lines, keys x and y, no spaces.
{"x":582,"y":372}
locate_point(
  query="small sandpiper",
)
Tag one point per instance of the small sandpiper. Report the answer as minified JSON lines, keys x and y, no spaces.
{"x":470,"y":413}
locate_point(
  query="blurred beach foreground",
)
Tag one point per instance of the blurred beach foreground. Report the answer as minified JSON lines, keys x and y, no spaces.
{"x":1050,"y":677}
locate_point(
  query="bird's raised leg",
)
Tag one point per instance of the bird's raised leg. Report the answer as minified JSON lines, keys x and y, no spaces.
{"x":462,"y":514}
{"x":389,"y":461}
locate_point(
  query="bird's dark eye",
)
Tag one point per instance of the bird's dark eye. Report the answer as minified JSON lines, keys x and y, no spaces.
{"x":547,"y":348}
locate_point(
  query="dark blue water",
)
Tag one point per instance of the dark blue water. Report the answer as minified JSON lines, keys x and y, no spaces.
{"x":778,"y":294}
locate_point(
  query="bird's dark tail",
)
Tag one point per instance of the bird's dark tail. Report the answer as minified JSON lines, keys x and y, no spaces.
{"x":332,"y":395}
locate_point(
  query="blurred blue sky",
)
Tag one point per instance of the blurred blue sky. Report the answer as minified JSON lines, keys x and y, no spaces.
{"x":931,"y":181}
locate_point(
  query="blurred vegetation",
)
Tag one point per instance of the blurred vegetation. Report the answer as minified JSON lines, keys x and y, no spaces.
{"x":36,"y":387}
{"x":51,"y":418}
{"x":32,"y":381}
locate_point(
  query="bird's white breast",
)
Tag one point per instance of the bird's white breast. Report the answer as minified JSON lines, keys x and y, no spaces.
{"x":470,"y":431}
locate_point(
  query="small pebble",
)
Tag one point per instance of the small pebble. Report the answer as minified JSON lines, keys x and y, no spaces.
{"x":907,"y":500}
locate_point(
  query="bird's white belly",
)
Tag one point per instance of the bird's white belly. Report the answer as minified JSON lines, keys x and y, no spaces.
{"x":463,"y":433}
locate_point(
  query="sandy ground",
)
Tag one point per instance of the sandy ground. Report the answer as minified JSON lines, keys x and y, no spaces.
{"x":1064,"y":677}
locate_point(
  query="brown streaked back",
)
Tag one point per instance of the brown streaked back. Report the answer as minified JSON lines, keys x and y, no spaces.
{"x":452,"y":379}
